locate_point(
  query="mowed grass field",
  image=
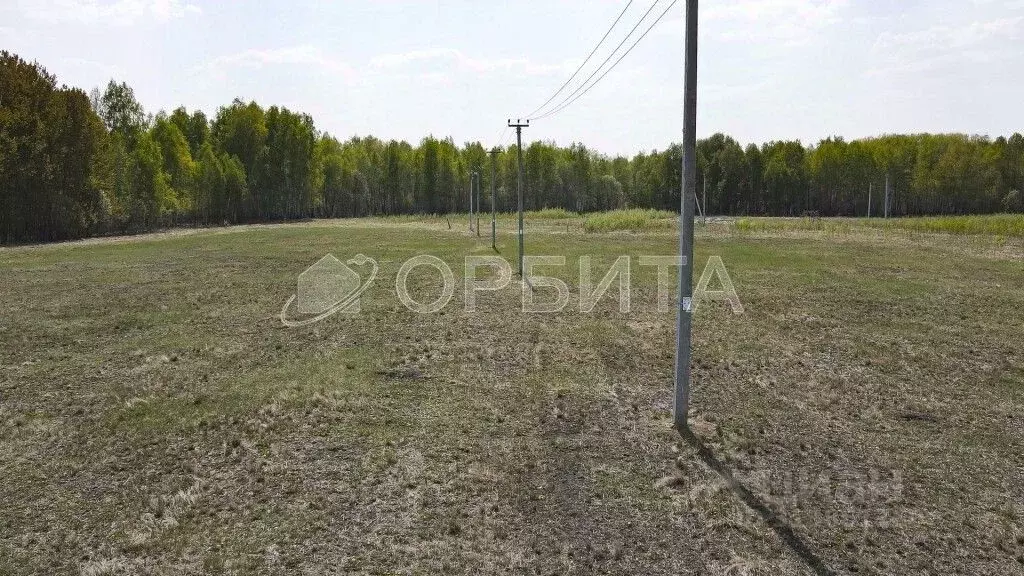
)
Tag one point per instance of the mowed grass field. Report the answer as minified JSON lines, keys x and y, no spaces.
{"x":156,"y":417}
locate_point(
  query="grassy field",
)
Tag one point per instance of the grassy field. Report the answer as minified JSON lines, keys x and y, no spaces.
{"x":998,"y":225}
{"x":156,"y":417}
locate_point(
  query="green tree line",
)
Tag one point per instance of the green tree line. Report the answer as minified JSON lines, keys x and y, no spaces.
{"x":74,"y":165}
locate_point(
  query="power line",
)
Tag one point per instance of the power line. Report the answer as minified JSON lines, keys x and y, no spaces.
{"x":508,"y":137}
{"x":572,"y":99}
{"x":501,"y":137}
{"x":612,"y":54}
{"x":589,"y":56}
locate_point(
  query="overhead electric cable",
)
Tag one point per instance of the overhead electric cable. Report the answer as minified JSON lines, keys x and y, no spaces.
{"x":610,"y":55}
{"x":501,"y":137}
{"x":580,"y":67}
{"x":566,"y":103}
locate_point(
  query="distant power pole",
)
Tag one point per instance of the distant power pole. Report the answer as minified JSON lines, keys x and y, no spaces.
{"x":704,"y":209}
{"x":494,"y":223}
{"x":478,"y":204}
{"x":472,"y":181}
{"x":870,"y":187}
{"x":688,"y":198}
{"x":887,"y":193}
{"x":518,"y":125}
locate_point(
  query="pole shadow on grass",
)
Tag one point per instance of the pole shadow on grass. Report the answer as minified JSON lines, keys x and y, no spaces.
{"x":778,"y":525}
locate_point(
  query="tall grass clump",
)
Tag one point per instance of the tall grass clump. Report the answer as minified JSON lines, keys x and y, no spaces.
{"x":630,"y":219}
{"x":749,"y":225}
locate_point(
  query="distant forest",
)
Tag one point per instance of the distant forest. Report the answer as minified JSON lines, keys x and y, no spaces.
{"x":74,"y":164}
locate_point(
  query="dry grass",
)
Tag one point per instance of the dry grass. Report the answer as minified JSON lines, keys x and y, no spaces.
{"x":158,"y":419}
{"x":551,"y":214}
{"x":634,"y":219}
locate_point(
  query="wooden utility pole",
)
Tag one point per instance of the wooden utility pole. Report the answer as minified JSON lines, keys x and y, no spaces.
{"x":688,"y":198}
{"x":519,"y":125}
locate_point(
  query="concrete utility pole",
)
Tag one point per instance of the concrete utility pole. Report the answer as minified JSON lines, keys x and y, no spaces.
{"x":704,"y":208}
{"x":688,"y":198}
{"x":494,"y":222}
{"x":477,"y":204}
{"x":871,"y":185}
{"x":472,"y":181}
{"x":887,"y":192}
{"x":518,"y":125}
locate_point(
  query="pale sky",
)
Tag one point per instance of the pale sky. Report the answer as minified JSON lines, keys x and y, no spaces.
{"x":769,"y":69}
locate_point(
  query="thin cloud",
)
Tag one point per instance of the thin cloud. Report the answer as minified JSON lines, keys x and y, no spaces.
{"x":304,"y":55}
{"x":1007,"y":4}
{"x":118,"y":12}
{"x":949,"y":61}
{"x":791,"y":22}
{"x":809,"y":12}
{"x":101,"y":69}
{"x":949,"y":37}
{"x":945,"y":47}
{"x":422,"y":63}
{"x":735,"y":91}
{"x":457,"y":57}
